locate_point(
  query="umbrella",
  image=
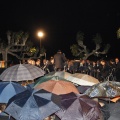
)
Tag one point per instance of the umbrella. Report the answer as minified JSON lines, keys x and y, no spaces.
{"x":4,"y":116}
{"x":46,"y":78}
{"x":83,"y":79}
{"x":29,"y":86}
{"x":111,"y":110}
{"x":78,"y":107}
{"x":21,"y":72}
{"x":57,"y":87}
{"x":108,"y":89}
{"x":61,"y":74}
{"x":8,"y":90}
{"x":82,"y":88}
{"x":33,"y":105}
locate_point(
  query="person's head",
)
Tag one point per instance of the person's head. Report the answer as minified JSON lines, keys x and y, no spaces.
{"x":37,"y":62}
{"x":52,"y":60}
{"x":29,"y":61}
{"x":116,"y":60}
{"x":59,"y":51}
{"x":2,"y":106}
{"x":103,"y":62}
{"x":33,"y":62}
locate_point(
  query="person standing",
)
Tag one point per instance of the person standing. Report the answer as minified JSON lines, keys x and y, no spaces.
{"x":59,"y":61}
{"x":117,"y":69}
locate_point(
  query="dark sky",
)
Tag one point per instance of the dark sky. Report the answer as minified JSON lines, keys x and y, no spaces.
{"x":61,"y":20}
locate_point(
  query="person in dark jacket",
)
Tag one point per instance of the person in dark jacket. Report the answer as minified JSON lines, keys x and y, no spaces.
{"x":59,"y":61}
{"x":104,"y":70}
{"x":117,"y":69}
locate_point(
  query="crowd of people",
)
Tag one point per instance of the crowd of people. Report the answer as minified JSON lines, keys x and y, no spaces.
{"x":100,"y":69}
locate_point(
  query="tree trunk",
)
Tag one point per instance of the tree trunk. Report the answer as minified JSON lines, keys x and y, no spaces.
{"x":4,"y":55}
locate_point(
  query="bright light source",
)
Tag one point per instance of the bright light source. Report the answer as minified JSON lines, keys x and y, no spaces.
{"x":40,"y":34}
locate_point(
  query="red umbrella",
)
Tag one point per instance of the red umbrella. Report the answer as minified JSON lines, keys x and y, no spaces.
{"x":57,"y":87}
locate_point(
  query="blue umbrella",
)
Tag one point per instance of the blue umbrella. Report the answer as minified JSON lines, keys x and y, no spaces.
{"x":33,"y":105}
{"x":8,"y":90}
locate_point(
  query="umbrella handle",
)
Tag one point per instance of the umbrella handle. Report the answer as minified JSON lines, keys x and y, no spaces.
{"x":9,"y":117}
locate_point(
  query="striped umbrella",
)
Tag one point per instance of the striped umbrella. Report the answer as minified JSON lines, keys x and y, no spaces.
{"x":21,"y":72}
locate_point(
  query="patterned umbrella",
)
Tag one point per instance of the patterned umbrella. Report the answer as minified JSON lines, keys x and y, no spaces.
{"x":21,"y":72}
{"x":57,"y":87}
{"x":33,"y":105}
{"x":8,"y":90}
{"x":105,"y":89}
{"x":78,"y":107}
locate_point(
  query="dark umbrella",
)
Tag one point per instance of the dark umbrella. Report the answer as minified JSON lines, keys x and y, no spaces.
{"x":8,"y":90}
{"x":30,"y":86}
{"x":108,"y":89}
{"x":78,"y":107}
{"x":111,"y":110}
{"x":33,"y":105}
{"x":4,"y":116}
{"x":21,"y":72}
{"x":82,"y":88}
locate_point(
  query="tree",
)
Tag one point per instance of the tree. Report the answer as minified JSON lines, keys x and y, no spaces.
{"x":18,"y":46}
{"x":82,"y":51}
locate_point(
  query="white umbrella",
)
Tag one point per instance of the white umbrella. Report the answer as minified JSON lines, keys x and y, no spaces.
{"x":83,"y":79}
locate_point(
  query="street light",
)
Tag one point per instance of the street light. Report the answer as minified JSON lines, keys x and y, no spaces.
{"x":40,"y":35}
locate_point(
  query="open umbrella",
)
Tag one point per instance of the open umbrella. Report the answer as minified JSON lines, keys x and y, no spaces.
{"x":33,"y":105}
{"x":78,"y":107}
{"x":111,"y":110}
{"x":46,"y":78}
{"x":8,"y":90}
{"x":21,"y":72}
{"x":83,"y":79}
{"x":105,"y":89}
{"x":57,"y":87}
{"x":82,"y":88}
{"x":61,"y":74}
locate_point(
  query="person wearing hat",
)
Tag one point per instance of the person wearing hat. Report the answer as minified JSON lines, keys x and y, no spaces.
{"x":59,"y":61}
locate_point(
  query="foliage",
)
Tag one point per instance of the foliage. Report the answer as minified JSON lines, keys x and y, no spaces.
{"x":82,"y":51}
{"x":18,"y":45}
{"x":74,"y":49}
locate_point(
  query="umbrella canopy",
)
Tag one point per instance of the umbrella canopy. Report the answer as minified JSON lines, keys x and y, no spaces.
{"x":61,"y":74}
{"x":33,"y":105}
{"x":108,"y":89}
{"x":78,"y":107}
{"x":21,"y":72}
{"x":57,"y":87}
{"x":8,"y":90}
{"x":29,"y":86}
{"x":46,"y":78}
{"x":83,"y":79}
{"x":4,"y":116}
{"x":83,"y":88}
{"x":111,"y":110}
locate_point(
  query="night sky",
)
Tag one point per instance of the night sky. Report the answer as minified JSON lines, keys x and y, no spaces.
{"x":60,"y":20}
